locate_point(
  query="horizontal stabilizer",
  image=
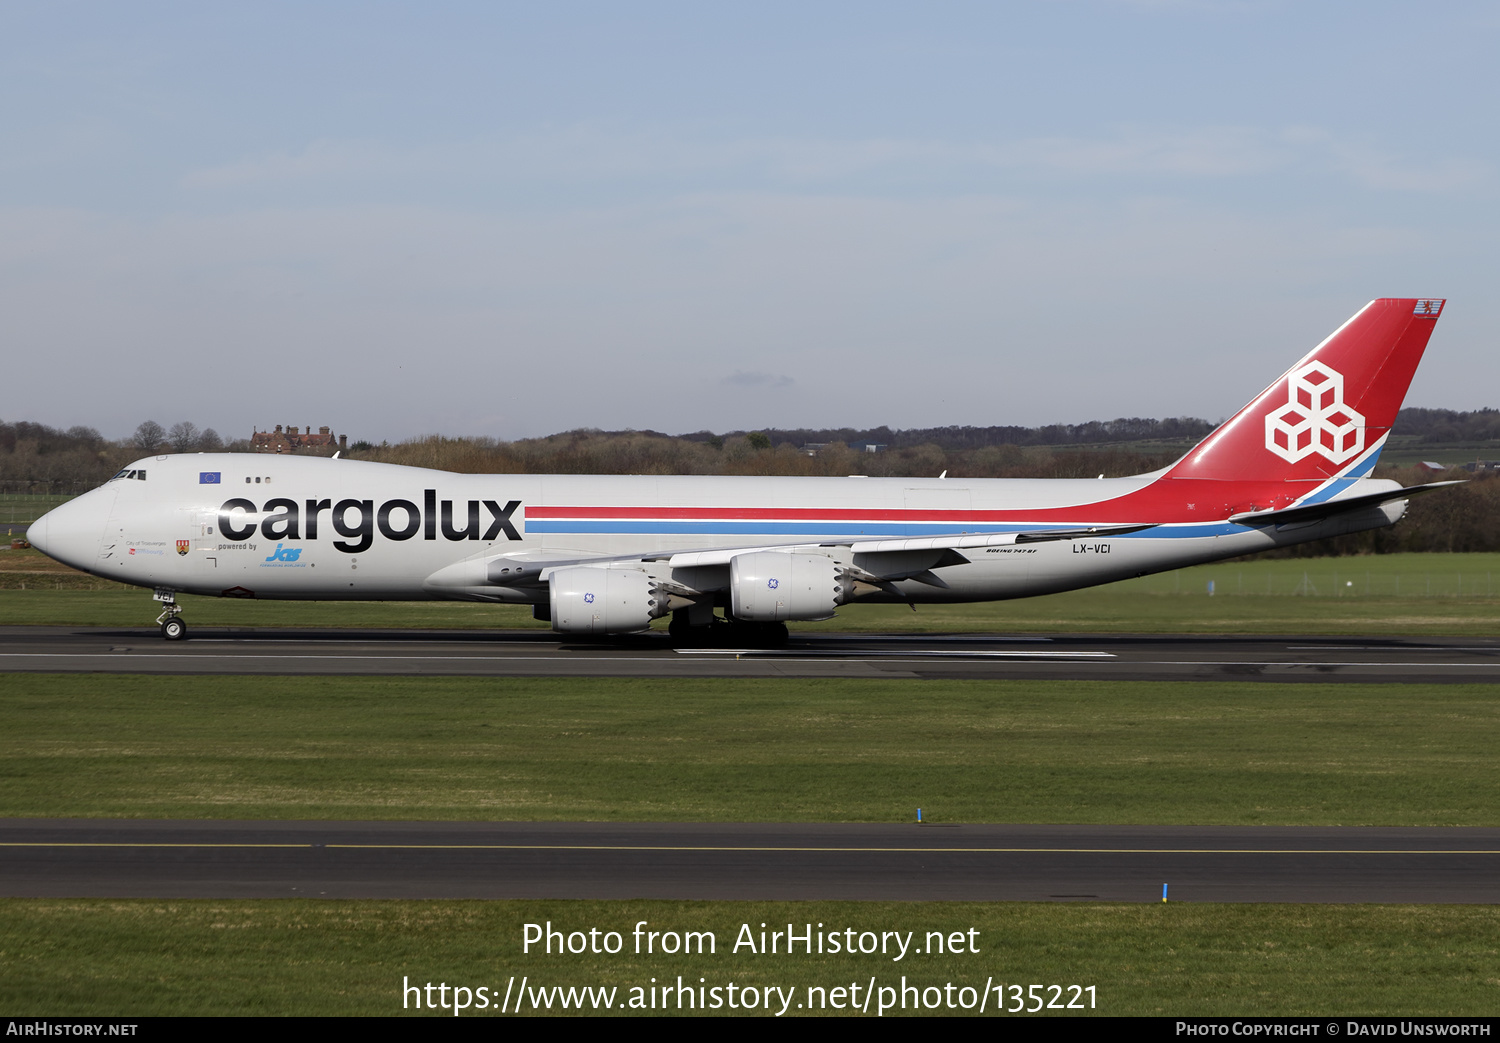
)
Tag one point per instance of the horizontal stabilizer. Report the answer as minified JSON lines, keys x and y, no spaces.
{"x":1328,"y":508}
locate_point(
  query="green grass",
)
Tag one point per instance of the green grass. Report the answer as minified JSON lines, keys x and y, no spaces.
{"x":21,"y":509}
{"x":1409,"y":450}
{"x":748,"y":750}
{"x":141,"y":958}
{"x":455,"y":748}
{"x":1394,"y":594}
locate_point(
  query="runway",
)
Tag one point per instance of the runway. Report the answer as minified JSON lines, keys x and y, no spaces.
{"x":218,"y":859}
{"x":533,"y":653}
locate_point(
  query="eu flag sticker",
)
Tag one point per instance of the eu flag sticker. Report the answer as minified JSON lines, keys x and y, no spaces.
{"x":208,"y":477}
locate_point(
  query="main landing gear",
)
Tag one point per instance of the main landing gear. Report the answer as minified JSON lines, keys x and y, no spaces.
{"x":687,"y":632}
{"x":170,"y":621}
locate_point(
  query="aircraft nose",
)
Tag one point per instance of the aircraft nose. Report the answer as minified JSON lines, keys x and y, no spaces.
{"x":70,"y":532}
{"x":36,"y":535}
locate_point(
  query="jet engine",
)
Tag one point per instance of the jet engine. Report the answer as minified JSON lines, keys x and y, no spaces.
{"x":770,"y":586}
{"x":589,"y":600}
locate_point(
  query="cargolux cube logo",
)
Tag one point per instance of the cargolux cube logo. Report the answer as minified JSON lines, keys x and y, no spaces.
{"x":1315,"y":418}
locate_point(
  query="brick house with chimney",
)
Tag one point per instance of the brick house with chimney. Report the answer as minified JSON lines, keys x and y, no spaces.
{"x":292,"y":440}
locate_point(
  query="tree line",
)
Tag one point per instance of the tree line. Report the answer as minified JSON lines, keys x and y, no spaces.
{"x":1121,"y":429}
{"x":1430,"y":425}
{"x":36,"y":458}
{"x":1447,"y":425}
{"x":40,"y":459}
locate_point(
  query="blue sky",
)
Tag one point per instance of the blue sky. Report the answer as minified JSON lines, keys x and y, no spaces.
{"x":518,"y":219}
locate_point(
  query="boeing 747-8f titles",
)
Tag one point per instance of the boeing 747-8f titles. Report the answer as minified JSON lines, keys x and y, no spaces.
{"x":609,"y":554}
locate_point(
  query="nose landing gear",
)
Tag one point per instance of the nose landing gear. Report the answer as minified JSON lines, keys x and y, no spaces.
{"x":172,"y":626}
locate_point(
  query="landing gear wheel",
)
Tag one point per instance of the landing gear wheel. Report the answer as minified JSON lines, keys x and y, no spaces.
{"x":174,"y":629}
{"x":754,"y":635}
{"x":687,"y":634}
{"x":763,"y":635}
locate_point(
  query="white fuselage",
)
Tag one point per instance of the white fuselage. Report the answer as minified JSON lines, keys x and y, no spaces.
{"x":286,"y":527}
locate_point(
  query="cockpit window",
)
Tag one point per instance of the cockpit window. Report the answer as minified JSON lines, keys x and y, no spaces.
{"x":131,"y":473}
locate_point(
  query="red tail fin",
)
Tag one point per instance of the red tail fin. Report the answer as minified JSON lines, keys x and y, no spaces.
{"x":1330,"y":413}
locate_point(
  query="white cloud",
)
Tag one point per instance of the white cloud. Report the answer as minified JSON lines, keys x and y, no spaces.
{"x":1378,"y":169}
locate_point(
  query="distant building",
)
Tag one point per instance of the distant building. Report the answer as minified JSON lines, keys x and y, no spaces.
{"x":292,"y":439}
{"x":1483,"y":465}
{"x":814,"y":448}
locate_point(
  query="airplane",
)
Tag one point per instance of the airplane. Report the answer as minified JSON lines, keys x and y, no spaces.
{"x":608,"y":554}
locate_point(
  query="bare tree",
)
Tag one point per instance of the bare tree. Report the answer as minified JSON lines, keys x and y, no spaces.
{"x":81,"y":433}
{"x":210,"y":442}
{"x":184,"y":436}
{"x":148,"y":437}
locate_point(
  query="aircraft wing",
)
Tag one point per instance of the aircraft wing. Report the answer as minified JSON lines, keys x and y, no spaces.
{"x":954,"y":541}
{"x":877,"y":560}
